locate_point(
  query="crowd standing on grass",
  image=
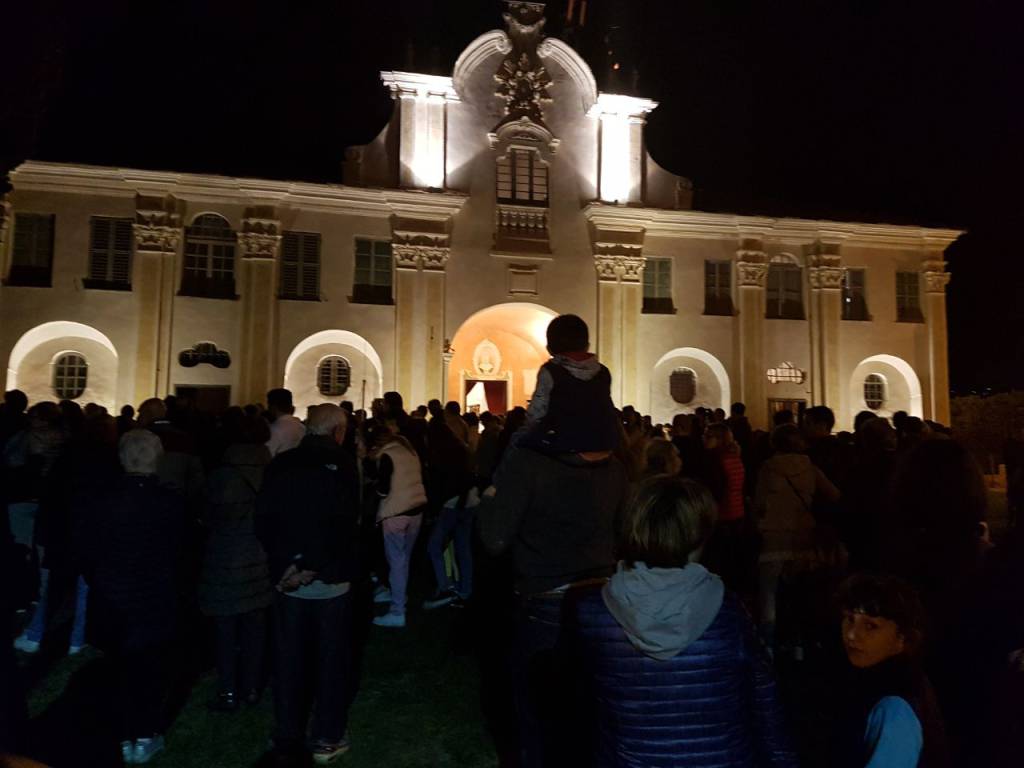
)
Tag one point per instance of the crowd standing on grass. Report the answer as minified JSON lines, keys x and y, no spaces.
{"x":637,"y":594}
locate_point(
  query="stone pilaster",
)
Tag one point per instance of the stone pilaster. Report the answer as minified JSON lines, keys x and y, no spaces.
{"x":422,"y":127}
{"x":936,"y":278}
{"x":154,"y":282}
{"x":259,"y":247}
{"x":751,"y":276}
{"x":826,"y":278}
{"x":622,"y":146}
{"x":620,"y":297}
{"x":420,"y":262}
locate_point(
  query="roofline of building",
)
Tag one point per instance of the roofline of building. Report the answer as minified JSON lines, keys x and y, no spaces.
{"x":657,"y":222}
{"x":36,"y":176}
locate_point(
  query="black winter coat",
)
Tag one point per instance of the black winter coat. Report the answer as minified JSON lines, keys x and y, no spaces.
{"x":129,"y":541}
{"x":235,"y":578}
{"x":307,"y":509}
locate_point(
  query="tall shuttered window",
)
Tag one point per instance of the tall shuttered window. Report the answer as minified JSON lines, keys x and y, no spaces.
{"x":209,"y":258}
{"x":718,"y":288}
{"x":855,"y":305}
{"x":110,"y":253}
{"x":908,"y":297}
{"x":658,"y":286}
{"x":300,"y":266}
{"x":70,"y":376}
{"x":522,"y":178}
{"x":785,"y":293}
{"x":372,"y":283}
{"x":32,"y":251}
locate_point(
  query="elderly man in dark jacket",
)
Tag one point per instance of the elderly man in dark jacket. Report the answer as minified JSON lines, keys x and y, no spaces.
{"x":556,"y":513}
{"x":129,"y":541}
{"x":306,"y":515}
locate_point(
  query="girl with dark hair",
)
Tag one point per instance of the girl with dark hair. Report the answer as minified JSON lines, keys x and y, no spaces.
{"x":889,"y":715}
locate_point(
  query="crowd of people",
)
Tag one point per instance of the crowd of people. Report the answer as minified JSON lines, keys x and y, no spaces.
{"x":634,"y":587}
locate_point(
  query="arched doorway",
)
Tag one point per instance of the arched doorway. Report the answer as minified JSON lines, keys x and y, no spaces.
{"x":332,"y":366}
{"x":685,"y":379}
{"x":885,"y":384}
{"x":496,"y":354}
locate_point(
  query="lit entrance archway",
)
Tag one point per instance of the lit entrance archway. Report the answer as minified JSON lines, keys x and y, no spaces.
{"x":496,"y":355}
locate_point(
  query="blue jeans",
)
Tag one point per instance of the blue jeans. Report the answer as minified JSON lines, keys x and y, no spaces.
{"x":37,"y":626}
{"x":399,"y":538}
{"x":460,"y":523}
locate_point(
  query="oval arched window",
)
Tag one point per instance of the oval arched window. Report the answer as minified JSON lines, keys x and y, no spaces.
{"x":683,"y":385}
{"x":874,"y":391}
{"x":333,"y":376}
{"x":70,"y":375}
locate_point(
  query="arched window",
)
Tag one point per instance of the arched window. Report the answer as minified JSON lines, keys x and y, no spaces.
{"x":785,"y":293}
{"x":70,"y":374}
{"x":209,"y":258}
{"x":874,"y":391}
{"x":683,"y":385}
{"x":333,"y":376}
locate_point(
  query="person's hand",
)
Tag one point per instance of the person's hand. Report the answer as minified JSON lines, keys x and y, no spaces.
{"x":293,"y":578}
{"x":490,"y":492}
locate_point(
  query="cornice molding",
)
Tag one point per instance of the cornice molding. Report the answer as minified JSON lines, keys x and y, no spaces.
{"x":489,"y":44}
{"x":717,"y":226}
{"x":419,"y":85}
{"x":33,"y":176}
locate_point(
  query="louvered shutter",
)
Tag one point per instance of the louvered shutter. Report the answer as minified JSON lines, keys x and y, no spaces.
{"x":99,"y":249}
{"x":122,"y":267}
{"x":311,"y":266}
{"x":290,"y":266}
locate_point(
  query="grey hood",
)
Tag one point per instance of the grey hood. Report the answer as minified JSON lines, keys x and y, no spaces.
{"x":663,"y":610}
{"x":584,"y":370}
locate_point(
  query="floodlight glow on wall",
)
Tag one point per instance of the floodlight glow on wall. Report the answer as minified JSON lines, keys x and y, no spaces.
{"x":422,"y":138}
{"x":622,"y":145}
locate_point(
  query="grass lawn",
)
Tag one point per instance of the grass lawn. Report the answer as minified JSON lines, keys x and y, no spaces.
{"x":418,"y":706}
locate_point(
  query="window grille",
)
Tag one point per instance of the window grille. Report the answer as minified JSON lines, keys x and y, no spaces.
{"x":658,"y":286}
{"x":874,"y":391}
{"x":373,"y":277}
{"x":110,"y":253}
{"x":785,"y":295}
{"x":300,"y":265}
{"x":683,"y":385}
{"x":522,"y":178}
{"x":855,"y":306}
{"x":908,"y":297}
{"x":718,"y":288}
{"x":70,"y":375}
{"x":334,"y":376}
{"x":32,"y":251}
{"x":209,"y":258}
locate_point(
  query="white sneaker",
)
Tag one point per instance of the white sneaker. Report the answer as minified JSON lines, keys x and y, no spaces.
{"x":390,"y":620}
{"x":382,"y":595}
{"x":127,"y":752}
{"x":74,"y":650}
{"x":23,"y":644}
{"x":146,"y":748}
{"x":440,"y":599}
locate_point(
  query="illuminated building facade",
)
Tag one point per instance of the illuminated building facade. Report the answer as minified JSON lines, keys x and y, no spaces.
{"x":492,"y":200}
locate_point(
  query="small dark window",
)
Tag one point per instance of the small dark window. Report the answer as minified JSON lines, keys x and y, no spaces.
{"x":718,"y":288}
{"x":855,"y":305}
{"x":683,"y":385}
{"x":70,"y":374}
{"x":874,"y":391}
{"x":372,"y":284}
{"x":658,"y":286}
{"x":209,"y":258}
{"x":334,"y":376}
{"x":110,"y":253}
{"x":300,"y":266}
{"x":908,"y":297}
{"x":32,"y":252}
{"x":785,"y":293}
{"x":522,"y":178}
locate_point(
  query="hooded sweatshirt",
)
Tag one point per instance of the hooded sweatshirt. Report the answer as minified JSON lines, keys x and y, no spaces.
{"x":663,"y":610}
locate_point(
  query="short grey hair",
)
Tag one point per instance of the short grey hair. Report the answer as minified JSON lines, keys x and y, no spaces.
{"x":140,"y":451}
{"x":325,"y":419}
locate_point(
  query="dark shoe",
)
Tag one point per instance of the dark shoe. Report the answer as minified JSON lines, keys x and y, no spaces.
{"x":224,"y":702}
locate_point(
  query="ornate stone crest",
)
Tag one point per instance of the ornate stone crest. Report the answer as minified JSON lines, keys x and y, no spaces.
{"x":486,"y":358}
{"x":522,"y":79}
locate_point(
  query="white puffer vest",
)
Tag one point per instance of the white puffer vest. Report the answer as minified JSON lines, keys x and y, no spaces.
{"x":407,"y":490}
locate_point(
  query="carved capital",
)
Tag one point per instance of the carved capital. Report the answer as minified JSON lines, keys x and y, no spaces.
{"x":420,"y":250}
{"x":259,"y":239}
{"x":619,"y":268}
{"x":826,"y":278}
{"x":157,"y":231}
{"x":751,"y":274}
{"x":936,"y":282}
{"x":5,"y":223}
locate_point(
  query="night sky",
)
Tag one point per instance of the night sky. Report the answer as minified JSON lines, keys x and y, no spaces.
{"x":870,"y":110}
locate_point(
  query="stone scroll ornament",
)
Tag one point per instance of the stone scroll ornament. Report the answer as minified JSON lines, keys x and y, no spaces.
{"x":523,"y":81}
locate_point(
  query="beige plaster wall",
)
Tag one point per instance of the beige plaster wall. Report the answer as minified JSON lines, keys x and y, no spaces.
{"x":35,"y":374}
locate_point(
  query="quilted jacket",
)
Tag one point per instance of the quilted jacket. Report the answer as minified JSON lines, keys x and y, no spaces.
{"x":713,"y":704}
